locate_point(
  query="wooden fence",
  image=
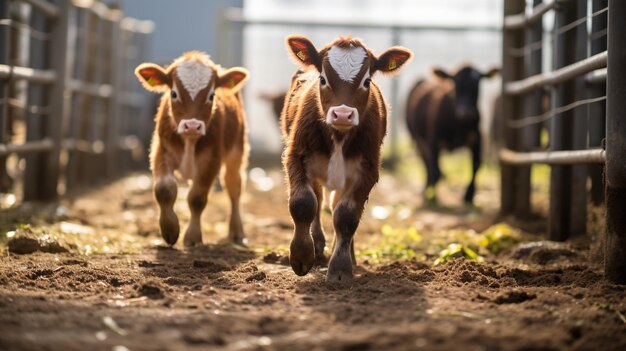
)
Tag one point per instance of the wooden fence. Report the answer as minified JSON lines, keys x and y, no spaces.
{"x":585,"y":117}
{"x":70,"y":111}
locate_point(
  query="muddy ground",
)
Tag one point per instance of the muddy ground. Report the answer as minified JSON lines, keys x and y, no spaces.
{"x":111,"y":284}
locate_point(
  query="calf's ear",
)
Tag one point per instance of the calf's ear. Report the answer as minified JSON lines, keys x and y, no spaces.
{"x":153,"y":77}
{"x":303,"y":51}
{"x":393,"y":59}
{"x":491,"y":73}
{"x":441,"y":73}
{"x":233,"y":78}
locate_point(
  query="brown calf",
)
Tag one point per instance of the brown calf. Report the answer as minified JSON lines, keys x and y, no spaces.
{"x":333,"y":125}
{"x":200,"y":126}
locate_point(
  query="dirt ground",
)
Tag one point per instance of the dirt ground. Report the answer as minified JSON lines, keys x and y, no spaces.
{"x":110,"y":283}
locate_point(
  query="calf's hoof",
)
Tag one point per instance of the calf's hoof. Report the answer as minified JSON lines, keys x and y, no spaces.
{"x":339,"y":269}
{"x":238,"y":239}
{"x":302,"y":255}
{"x":169,"y":227}
{"x":193,"y":236}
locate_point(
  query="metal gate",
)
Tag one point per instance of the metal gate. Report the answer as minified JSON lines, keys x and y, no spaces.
{"x":70,"y":113}
{"x":583,"y":105}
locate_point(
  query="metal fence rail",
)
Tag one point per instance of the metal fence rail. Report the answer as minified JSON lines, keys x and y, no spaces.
{"x":577,"y":84}
{"x":65,"y":96}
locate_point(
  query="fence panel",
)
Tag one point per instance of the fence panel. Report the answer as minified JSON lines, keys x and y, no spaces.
{"x":63,"y":95}
{"x":588,"y":85}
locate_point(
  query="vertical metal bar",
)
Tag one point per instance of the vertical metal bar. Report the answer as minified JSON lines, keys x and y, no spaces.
{"x":561,"y":127}
{"x":58,"y":101}
{"x":512,"y":70}
{"x":533,"y":105}
{"x":35,"y":163}
{"x":5,"y":42}
{"x":113,"y":69}
{"x":615,"y":243}
{"x":597,"y":111}
{"x":578,"y":190}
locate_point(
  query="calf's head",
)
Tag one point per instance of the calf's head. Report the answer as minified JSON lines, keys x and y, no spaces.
{"x":466,"y":86}
{"x":190,"y":83}
{"x":345,"y":69}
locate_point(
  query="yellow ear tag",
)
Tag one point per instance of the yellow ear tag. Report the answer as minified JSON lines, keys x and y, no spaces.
{"x":232,"y":83}
{"x":392,"y":64}
{"x":151,"y":82}
{"x":301,"y":55}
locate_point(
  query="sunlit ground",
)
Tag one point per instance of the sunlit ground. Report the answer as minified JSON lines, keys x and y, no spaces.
{"x":395,"y":225}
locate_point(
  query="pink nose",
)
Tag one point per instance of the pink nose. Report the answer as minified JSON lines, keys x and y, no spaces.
{"x":342,"y":117}
{"x":193,"y":126}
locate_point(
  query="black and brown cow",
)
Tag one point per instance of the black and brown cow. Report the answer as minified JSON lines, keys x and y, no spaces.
{"x":333,"y":125}
{"x":442,"y":114}
{"x":200,"y":127}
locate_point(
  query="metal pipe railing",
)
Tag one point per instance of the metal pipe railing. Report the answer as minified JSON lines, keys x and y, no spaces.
{"x":49,"y":9}
{"x":558,"y":76}
{"x":564,"y":157}
{"x":44,"y":145}
{"x":521,"y":20}
{"x":25,"y":73}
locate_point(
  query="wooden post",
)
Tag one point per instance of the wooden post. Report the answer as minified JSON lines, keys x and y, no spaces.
{"x":615,"y":249}
{"x":511,"y":71}
{"x":530,"y":135}
{"x":597,"y":111}
{"x":58,"y":102}
{"x":561,"y":127}
{"x":578,"y":189}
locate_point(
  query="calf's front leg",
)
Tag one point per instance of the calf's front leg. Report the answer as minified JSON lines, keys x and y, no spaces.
{"x":346,"y":217}
{"x":303,"y":208}
{"x":197,"y":200}
{"x":165,"y":192}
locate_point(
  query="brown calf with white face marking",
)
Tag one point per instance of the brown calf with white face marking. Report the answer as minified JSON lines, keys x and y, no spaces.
{"x":200,"y":126}
{"x":333,"y":124}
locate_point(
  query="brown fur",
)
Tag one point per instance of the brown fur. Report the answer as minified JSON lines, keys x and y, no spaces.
{"x":225,"y":144}
{"x":310,"y":143}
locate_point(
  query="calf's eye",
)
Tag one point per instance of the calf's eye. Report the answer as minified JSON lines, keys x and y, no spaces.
{"x":366,"y":83}
{"x":211,"y":96}
{"x":322,"y":80}
{"x":173,"y":94}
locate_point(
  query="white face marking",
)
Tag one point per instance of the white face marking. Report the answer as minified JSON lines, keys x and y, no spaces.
{"x":194,"y":75}
{"x":336,"y":178}
{"x":347,"y":62}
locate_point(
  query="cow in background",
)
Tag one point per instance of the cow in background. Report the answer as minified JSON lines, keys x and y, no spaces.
{"x":277,"y":100}
{"x":442,"y":114}
{"x":333,"y":125}
{"x":200,"y":127}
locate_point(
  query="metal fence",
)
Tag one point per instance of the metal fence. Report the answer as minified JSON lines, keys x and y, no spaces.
{"x":70,"y":113}
{"x":580,"y":106}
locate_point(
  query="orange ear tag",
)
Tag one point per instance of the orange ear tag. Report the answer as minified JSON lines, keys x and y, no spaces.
{"x":151,"y":81}
{"x":392,"y":64}
{"x":301,"y":55}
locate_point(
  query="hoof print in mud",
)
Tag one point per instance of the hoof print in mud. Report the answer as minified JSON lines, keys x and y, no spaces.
{"x":514,"y":296}
{"x":152,"y":290}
